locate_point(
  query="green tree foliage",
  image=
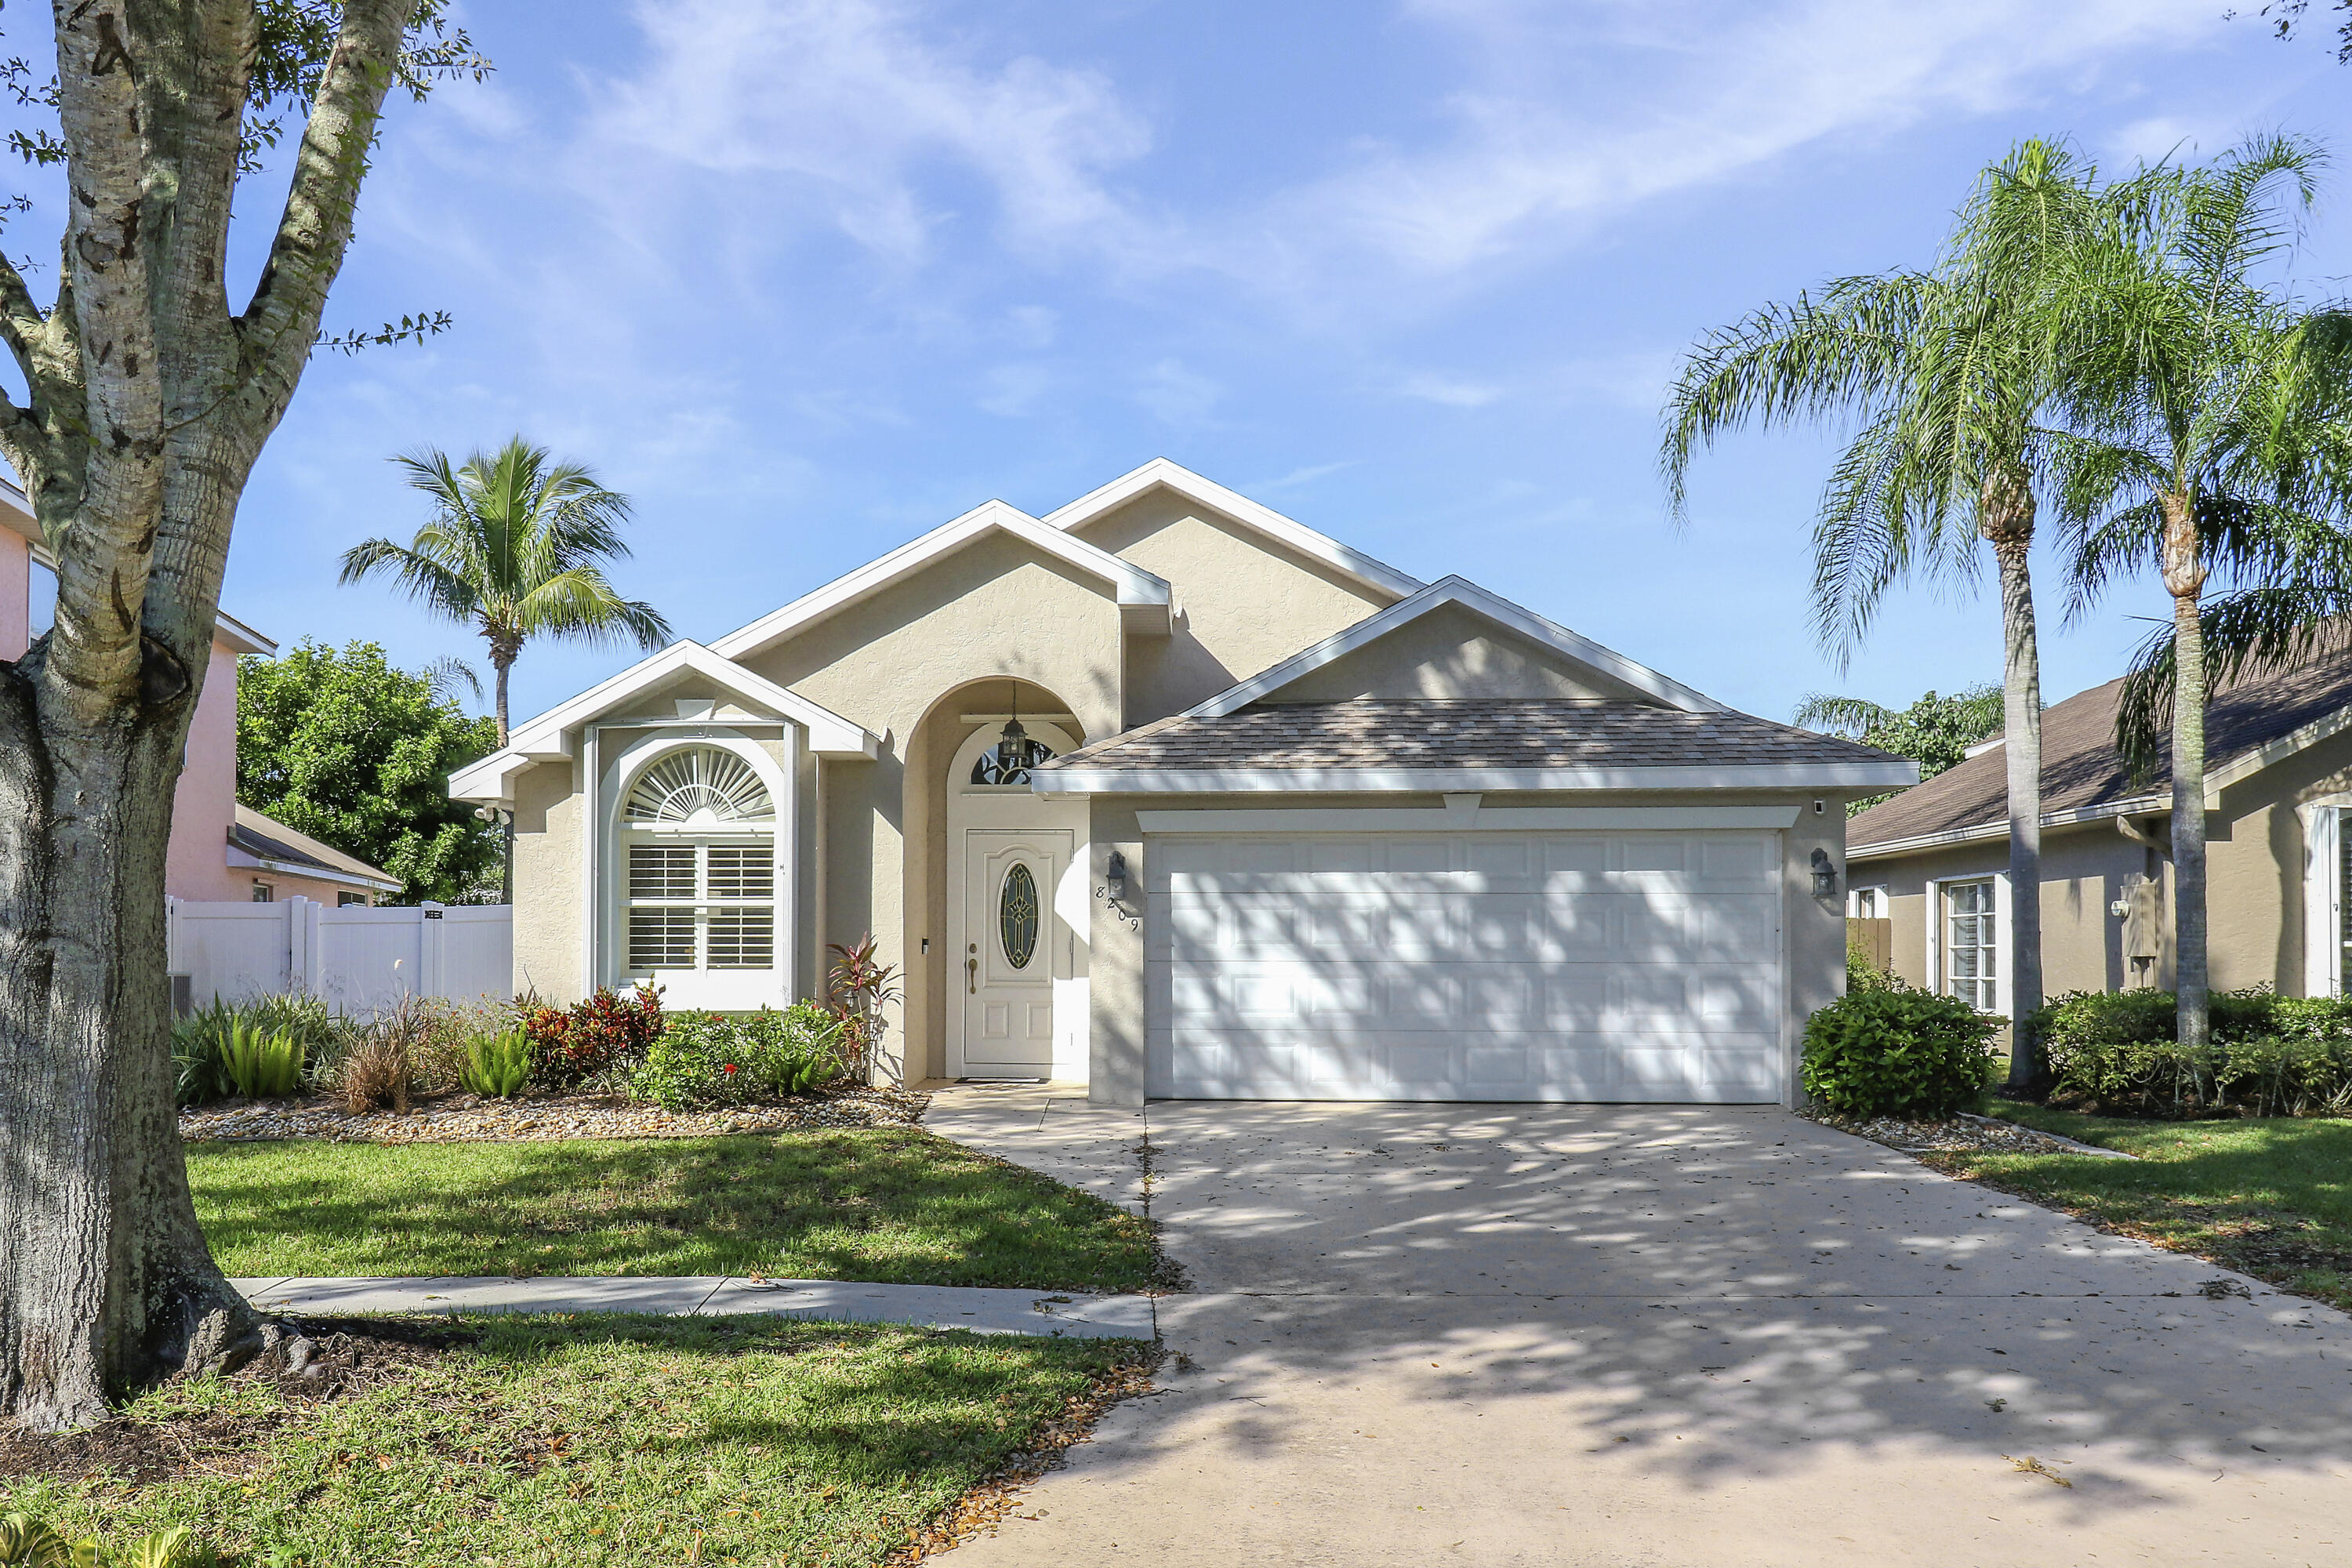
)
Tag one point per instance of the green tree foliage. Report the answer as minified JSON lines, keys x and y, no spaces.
{"x":337,"y":743}
{"x":1935,"y":731}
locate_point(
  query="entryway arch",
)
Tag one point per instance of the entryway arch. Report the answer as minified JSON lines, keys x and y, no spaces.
{"x":1016,"y":915}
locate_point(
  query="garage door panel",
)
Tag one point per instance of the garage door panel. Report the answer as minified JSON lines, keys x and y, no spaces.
{"x":1498,"y":966}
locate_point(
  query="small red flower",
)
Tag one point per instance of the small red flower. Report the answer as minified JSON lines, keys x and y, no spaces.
{"x":729,"y":1067}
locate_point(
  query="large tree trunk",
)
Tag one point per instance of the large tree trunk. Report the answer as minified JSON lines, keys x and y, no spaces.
{"x":147,"y":403}
{"x":2022,"y":746}
{"x":105,"y":1281}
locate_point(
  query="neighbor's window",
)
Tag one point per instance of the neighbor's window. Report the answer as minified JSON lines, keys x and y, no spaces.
{"x":41,"y":602}
{"x":1972,"y":958}
{"x":1869,"y":903}
{"x":263,"y":894}
{"x":345,"y":900}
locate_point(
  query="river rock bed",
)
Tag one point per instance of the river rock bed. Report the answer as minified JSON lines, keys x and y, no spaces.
{"x":466,"y":1119}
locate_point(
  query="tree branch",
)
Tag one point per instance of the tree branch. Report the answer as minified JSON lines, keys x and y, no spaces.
{"x":281,"y":322}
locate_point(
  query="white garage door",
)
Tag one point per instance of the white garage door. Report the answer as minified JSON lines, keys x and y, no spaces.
{"x":1476,"y":965}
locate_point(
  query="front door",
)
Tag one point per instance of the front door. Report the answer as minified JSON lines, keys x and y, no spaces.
{"x":1009,"y":949}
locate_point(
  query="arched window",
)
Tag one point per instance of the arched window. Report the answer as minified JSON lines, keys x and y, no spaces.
{"x":1009,"y":762}
{"x":700,"y":866}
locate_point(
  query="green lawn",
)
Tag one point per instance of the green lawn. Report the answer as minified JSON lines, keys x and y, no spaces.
{"x":2270,"y":1196}
{"x":893,"y":1204}
{"x":577,"y":1443}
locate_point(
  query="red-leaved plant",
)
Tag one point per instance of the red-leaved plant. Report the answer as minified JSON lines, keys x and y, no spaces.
{"x":569,"y":1045}
{"x":861,"y":986}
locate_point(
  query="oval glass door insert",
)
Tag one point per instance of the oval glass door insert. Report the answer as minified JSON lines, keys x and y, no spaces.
{"x":1016,"y":916}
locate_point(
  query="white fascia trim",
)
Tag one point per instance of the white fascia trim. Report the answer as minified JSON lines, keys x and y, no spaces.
{"x":548,"y":739}
{"x":1468,"y":594}
{"x":246,"y":860}
{"x":1133,"y":587}
{"x":1504,"y":819}
{"x":1349,"y":781}
{"x":242,"y":638}
{"x":1160,"y":471}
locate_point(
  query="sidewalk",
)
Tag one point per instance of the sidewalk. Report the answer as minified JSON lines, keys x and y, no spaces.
{"x":984,"y":1312}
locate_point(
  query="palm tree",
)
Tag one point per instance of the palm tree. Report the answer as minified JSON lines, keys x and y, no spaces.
{"x":512,"y":550}
{"x":2213,"y":419}
{"x":1947,"y":376}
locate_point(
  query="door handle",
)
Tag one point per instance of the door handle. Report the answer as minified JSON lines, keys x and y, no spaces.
{"x":972,"y":976}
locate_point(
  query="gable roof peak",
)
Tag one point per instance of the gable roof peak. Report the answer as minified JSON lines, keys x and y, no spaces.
{"x":1453,"y":589}
{"x":1162,"y":473}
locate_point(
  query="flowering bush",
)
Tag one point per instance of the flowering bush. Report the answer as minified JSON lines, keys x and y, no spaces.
{"x":705,"y":1059}
{"x":569,"y":1046}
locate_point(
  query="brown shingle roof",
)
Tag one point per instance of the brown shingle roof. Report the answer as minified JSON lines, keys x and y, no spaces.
{"x":1462,"y":732}
{"x":2080,"y":767}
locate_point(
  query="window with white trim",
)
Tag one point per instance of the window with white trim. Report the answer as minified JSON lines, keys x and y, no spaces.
{"x":1971,"y":944}
{"x":700,"y":869}
{"x":1867,"y":903}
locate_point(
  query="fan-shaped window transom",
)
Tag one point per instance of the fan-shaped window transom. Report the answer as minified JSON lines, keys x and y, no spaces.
{"x":704,"y":783}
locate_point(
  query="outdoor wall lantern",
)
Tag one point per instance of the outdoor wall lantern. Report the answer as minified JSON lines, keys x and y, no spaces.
{"x":1013,"y":749}
{"x":1115,"y":874}
{"x":1824,"y":875}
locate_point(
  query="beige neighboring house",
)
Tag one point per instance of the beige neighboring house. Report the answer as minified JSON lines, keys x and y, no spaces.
{"x":1165,"y":794}
{"x":219,"y":850}
{"x":1935,"y":860}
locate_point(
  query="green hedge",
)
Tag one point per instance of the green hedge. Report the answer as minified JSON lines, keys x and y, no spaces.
{"x":708,"y":1060}
{"x":2270,"y":1055}
{"x":1897,"y":1052}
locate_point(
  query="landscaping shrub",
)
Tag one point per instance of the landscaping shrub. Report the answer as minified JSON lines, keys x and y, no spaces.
{"x":25,"y":1540}
{"x":261,"y":1065}
{"x":1897,"y":1052}
{"x":197,"y":1038}
{"x":2268,"y":1055}
{"x":374,"y":1074}
{"x":707,"y":1059}
{"x":497,"y":1067}
{"x":571,"y":1046}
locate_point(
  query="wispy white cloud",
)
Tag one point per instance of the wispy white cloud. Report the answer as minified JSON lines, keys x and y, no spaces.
{"x":1566,"y":113}
{"x":1450,"y":391}
{"x":1176,"y":395}
{"x":854,"y":105}
{"x":1298,"y":477}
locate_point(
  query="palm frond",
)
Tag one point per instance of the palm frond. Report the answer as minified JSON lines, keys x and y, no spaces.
{"x":1852,"y":717}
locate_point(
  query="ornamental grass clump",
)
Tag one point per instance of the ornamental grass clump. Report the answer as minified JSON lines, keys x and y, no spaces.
{"x":1901,"y":1053}
{"x":259,"y":1064}
{"x":704,"y":1060}
{"x":497,"y":1066}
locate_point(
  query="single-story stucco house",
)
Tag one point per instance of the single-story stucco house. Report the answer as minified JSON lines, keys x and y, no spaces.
{"x":1166,"y":793}
{"x":1934,"y":860}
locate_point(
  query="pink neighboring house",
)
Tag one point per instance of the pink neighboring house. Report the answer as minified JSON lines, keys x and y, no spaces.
{"x":219,"y":849}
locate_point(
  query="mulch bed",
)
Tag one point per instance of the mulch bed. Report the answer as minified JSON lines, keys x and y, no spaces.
{"x":536,"y":1119}
{"x":346,"y":1357}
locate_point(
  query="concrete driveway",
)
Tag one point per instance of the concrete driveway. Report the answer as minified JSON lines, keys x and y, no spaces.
{"x":1660,"y":1335}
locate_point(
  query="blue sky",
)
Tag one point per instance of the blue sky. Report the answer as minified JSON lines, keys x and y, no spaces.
{"x":806,"y":277}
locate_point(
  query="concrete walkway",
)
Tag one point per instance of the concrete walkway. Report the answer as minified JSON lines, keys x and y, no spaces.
{"x":984,"y":1312}
{"x":1673,"y":1336}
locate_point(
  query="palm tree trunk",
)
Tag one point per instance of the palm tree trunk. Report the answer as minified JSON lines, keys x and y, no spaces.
{"x":2022,"y":748}
{"x":500,"y":662}
{"x":2191,"y":982}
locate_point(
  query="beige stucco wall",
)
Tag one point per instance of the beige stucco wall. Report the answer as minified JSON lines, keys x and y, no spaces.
{"x":1244,"y":603}
{"x":549,"y":902}
{"x":902,"y":664}
{"x":1812,"y":928}
{"x":2254,"y":871}
{"x":1451,"y":652}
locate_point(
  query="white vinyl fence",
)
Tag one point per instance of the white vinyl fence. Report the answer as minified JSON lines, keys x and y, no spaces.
{"x":360,"y":959}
